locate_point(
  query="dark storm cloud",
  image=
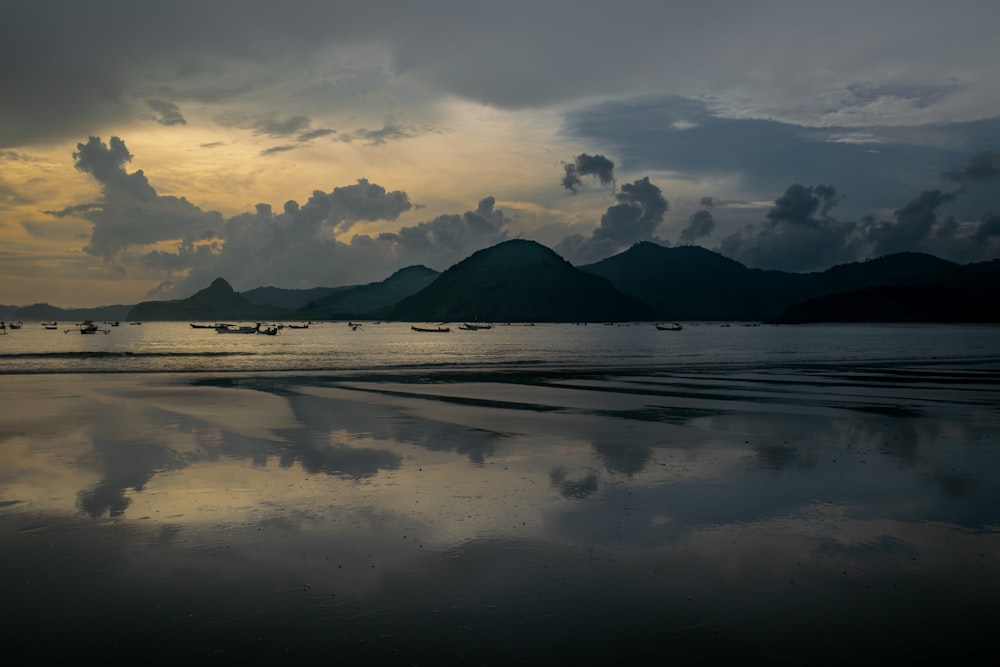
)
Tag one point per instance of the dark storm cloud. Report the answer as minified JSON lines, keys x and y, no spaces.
{"x":452,"y":234}
{"x":588,"y":165}
{"x":798,"y":234}
{"x":800,"y":204}
{"x":75,"y":66}
{"x":129,"y":211}
{"x":700,"y":224}
{"x":637,"y":215}
{"x":294,"y":248}
{"x":982,"y":166}
{"x":167,"y":113}
{"x":913,"y":224}
{"x":687,"y":137}
{"x":988,"y":228}
{"x":639,"y":211}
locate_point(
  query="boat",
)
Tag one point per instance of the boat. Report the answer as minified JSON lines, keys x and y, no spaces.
{"x":431,"y":329}
{"x":14,"y":325}
{"x":88,"y":327}
{"x":669,"y":327}
{"x":233,"y":329}
{"x":204,"y":326}
{"x":474,"y":327}
{"x":268,"y":331}
{"x":298,"y":326}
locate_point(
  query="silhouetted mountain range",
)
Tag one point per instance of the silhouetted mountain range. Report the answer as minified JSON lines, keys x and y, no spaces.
{"x":525,"y":281}
{"x":216,"y":302}
{"x":519,"y":281}
{"x":692,"y":283}
{"x":43,"y":312}
{"x":371,"y":300}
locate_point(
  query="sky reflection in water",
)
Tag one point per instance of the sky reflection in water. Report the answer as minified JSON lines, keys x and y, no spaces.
{"x":785,"y":516}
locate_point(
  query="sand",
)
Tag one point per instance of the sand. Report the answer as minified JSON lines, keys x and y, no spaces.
{"x":803,"y":516}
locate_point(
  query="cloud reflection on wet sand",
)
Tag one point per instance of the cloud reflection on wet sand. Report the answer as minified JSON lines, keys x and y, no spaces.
{"x":500,"y":519}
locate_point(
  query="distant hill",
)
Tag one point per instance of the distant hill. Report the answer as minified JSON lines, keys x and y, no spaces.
{"x":519,"y":281}
{"x":905,"y":268}
{"x":287,"y":299}
{"x":523,"y":280}
{"x":43,"y":312}
{"x":693,"y":283}
{"x":894,"y":303}
{"x":218,"y":301}
{"x":371,"y":300}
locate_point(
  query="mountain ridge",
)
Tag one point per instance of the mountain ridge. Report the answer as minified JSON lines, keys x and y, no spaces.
{"x":525,"y":280}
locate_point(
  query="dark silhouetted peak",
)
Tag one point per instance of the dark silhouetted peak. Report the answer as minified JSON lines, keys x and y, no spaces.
{"x":410,"y":273}
{"x":522,"y":281}
{"x":904,"y":268}
{"x":218,"y":293}
{"x":220,"y":285}
{"x":373,"y":299}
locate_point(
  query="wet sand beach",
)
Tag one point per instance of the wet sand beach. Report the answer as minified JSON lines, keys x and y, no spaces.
{"x":820,"y":514}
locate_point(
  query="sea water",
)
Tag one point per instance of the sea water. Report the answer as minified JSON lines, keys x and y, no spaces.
{"x":336,"y":346}
{"x":548,"y":494}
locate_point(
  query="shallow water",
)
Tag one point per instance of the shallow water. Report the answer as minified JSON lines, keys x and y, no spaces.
{"x":778,"y":501}
{"x":176,"y":347}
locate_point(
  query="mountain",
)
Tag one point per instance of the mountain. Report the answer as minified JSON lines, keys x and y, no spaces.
{"x":371,"y":300}
{"x":286,"y":299}
{"x":903,"y":287}
{"x":43,"y":312}
{"x":693,"y":283}
{"x":525,"y":281}
{"x":905,"y":268}
{"x":894,"y":303}
{"x":519,"y":281}
{"x":218,"y":301}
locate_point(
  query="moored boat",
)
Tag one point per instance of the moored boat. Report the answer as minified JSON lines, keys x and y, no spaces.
{"x":233,"y":329}
{"x":88,"y":327}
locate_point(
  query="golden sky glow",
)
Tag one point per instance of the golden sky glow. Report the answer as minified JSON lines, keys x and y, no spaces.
{"x":429,"y":135}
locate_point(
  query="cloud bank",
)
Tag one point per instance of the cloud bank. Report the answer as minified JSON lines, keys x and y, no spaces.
{"x":134,"y":229}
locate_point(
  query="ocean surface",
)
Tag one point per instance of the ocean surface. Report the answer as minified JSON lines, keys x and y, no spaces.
{"x":548,"y":494}
{"x":176,"y":346}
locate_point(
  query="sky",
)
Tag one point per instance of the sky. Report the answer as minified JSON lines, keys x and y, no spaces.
{"x":149,"y":148}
